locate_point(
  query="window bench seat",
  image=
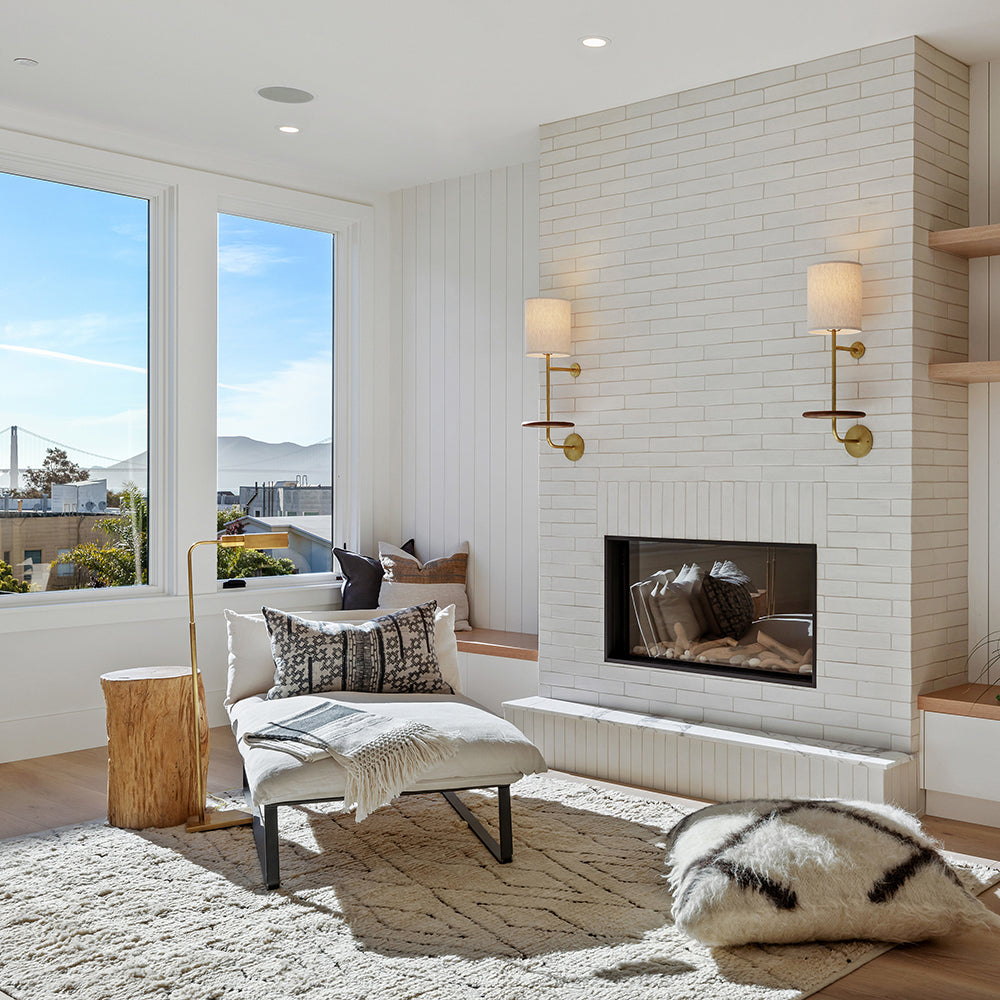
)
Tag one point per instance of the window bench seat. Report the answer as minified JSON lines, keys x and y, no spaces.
{"x":496,"y":666}
{"x":493,"y":642}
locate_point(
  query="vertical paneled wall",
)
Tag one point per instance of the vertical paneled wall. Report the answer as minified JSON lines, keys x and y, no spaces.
{"x":464,"y":257}
{"x":984,"y":345}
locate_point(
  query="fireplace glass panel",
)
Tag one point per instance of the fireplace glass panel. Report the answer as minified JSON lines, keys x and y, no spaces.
{"x":735,"y":609}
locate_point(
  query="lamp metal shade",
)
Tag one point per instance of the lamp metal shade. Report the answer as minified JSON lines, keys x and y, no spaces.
{"x":833,"y":290}
{"x":546,"y":327}
{"x":265,"y":540}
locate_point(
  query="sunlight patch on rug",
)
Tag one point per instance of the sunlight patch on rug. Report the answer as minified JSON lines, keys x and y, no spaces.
{"x":406,"y":905}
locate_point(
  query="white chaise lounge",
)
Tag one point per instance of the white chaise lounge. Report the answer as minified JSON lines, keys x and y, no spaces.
{"x":492,"y":752}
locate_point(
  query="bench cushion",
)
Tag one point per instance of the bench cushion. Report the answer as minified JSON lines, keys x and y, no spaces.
{"x":493,"y":751}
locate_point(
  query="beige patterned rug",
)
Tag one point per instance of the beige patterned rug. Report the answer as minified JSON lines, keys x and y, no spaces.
{"x":406,"y":905}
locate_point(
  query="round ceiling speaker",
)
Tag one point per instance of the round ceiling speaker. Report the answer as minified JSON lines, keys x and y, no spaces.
{"x":285,"y":95}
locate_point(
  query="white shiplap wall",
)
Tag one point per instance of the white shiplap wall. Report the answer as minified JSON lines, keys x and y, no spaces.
{"x":464,"y":258}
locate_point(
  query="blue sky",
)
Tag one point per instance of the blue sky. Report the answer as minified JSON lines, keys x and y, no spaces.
{"x":275,"y":316}
{"x":73,"y":340}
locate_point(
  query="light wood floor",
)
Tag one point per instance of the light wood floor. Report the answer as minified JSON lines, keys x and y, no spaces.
{"x":69,"y":788}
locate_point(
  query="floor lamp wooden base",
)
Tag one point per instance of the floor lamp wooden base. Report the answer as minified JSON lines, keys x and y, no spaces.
{"x":218,"y":819}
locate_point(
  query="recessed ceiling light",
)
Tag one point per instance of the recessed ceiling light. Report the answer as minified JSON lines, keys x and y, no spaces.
{"x":285,"y":95}
{"x":595,"y":41}
{"x":288,"y":128}
{"x":25,"y":61}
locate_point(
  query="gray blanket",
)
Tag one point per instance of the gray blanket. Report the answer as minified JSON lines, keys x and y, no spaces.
{"x":381,"y":755}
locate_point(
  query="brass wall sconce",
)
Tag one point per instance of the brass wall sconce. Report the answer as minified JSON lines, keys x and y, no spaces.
{"x":547,"y":335}
{"x":834,"y":297}
{"x":217,"y":819}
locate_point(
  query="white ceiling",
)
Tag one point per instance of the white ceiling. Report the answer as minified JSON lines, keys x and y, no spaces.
{"x":409,"y":91}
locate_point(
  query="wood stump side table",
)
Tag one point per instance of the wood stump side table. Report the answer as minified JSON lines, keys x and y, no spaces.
{"x":151,"y":776}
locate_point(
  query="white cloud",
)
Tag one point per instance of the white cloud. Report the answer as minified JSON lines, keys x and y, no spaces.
{"x":249,"y":258}
{"x":133,"y":230}
{"x":110,"y":438}
{"x":73,"y":329}
{"x":72,"y":358}
{"x":292,"y":404}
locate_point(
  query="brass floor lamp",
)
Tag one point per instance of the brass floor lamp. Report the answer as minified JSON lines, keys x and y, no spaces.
{"x":217,"y":819}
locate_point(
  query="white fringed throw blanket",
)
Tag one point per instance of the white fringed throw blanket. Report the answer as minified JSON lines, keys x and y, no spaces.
{"x":381,"y":755}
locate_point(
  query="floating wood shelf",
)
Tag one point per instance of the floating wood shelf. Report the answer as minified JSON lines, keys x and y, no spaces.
{"x":977,"y":241}
{"x":965,"y":372}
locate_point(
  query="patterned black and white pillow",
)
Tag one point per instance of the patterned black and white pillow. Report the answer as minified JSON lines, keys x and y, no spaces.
{"x":391,"y":654}
{"x":780,"y":871}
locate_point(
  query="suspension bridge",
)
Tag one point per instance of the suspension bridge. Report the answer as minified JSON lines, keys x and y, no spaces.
{"x":241,"y":460}
{"x":22,"y":449}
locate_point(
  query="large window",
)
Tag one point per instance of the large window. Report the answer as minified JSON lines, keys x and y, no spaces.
{"x":74,"y":348}
{"x":275,"y":416}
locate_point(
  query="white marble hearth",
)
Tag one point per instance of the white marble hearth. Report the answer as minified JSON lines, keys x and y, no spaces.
{"x":706,"y":761}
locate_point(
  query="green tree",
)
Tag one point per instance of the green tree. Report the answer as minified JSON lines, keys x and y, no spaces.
{"x":9,"y":585}
{"x":234,"y":562}
{"x":56,"y":469}
{"x":123,"y":558}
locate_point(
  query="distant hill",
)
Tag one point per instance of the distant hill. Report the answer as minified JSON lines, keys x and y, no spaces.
{"x":242,"y":462}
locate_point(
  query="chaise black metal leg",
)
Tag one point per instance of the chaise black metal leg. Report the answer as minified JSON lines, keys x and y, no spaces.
{"x":506,"y":833}
{"x":504,"y":851}
{"x":265,"y":835}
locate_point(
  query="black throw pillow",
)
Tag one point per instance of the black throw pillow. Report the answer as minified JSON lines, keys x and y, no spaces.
{"x":362,"y":578}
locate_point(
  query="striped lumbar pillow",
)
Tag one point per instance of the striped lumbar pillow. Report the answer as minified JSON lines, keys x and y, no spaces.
{"x":392,"y":654}
{"x":408,"y":581}
{"x":780,"y":871}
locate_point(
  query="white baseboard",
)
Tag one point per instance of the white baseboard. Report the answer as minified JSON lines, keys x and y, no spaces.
{"x":44,"y":735}
{"x":963,"y":807}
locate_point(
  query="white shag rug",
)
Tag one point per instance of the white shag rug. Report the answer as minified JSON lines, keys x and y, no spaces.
{"x":406,"y":905}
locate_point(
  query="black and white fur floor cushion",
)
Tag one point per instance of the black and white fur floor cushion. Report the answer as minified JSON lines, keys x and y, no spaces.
{"x":781,"y":870}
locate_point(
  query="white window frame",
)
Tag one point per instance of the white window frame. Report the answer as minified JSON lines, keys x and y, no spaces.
{"x":183,"y":281}
{"x":161,"y":237}
{"x":351,"y":228}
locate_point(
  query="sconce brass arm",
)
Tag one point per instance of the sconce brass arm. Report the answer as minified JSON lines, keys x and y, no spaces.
{"x":573,"y":446}
{"x":858,"y":440}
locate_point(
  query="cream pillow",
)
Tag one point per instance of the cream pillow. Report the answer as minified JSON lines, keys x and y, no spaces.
{"x":251,"y":666}
{"x":407,"y":581}
{"x":780,"y":871}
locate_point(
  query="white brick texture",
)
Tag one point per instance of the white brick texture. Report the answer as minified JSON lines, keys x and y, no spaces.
{"x":681,"y":229}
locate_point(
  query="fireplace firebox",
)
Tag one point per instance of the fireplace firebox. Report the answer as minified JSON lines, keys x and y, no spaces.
{"x":732,"y":609}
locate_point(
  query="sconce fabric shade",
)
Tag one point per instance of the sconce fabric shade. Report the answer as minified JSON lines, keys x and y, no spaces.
{"x":546,"y":327}
{"x":833,"y":290}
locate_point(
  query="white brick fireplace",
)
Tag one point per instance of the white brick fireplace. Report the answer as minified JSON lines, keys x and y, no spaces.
{"x":681,"y":229}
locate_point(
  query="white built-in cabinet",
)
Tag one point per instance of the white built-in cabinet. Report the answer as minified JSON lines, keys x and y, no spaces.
{"x":960,"y":742}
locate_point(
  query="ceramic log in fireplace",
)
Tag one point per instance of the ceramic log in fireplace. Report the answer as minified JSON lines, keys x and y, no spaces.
{"x":733,"y":609}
